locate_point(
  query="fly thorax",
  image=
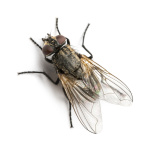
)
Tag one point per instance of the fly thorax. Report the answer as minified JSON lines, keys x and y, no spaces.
{"x":68,"y":61}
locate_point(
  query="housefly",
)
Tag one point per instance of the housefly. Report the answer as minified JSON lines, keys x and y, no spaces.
{"x":84,"y":81}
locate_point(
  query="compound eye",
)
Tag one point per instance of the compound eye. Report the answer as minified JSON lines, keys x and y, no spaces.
{"x":60,"y":39}
{"x":47,"y":50}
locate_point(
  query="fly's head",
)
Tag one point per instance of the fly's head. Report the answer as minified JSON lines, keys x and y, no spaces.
{"x":52,"y":44}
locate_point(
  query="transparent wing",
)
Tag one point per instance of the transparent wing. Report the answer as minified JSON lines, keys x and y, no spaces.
{"x":112,"y":89}
{"x":96,"y":83}
{"x":84,"y":103}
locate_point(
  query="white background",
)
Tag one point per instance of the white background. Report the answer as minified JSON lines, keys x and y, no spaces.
{"x":34,"y":112}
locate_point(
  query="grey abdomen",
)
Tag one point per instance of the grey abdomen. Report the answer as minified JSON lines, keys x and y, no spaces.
{"x":67,"y":60}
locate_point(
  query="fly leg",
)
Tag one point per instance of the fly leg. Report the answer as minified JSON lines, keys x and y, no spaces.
{"x":57,"y":26}
{"x":50,"y":61}
{"x":83,"y":43}
{"x":70,"y":117}
{"x":55,"y":82}
{"x":36,"y":43}
{"x":71,"y":125}
{"x":68,"y":41}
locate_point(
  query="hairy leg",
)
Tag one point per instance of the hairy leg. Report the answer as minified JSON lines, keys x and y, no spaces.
{"x":27,"y":72}
{"x":91,"y":56}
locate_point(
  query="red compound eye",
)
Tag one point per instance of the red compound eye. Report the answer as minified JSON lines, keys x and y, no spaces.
{"x":60,"y":39}
{"x":47,"y":50}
